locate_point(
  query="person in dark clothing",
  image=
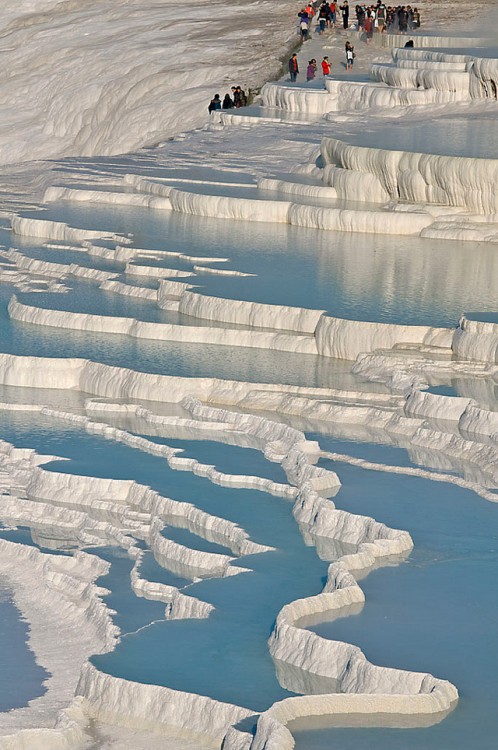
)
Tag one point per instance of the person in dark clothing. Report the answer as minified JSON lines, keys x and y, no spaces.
{"x":381,"y":17}
{"x":293,"y":67}
{"x":240,"y":98}
{"x":323,"y":14}
{"x":227,"y":102}
{"x":214,"y":104}
{"x":403,"y":19}
{"x":345,"y":14}
{"x":360,"y":16}
{"x":350,"y":55}
{"x":304,"y":23}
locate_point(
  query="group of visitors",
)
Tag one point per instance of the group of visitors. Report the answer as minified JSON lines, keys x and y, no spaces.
{"x":305,"y":16}
{"x":328,"y":13}
{"x":369,"y":18}
{"x":382,"y":18}
{"x":237,"y":99}
{"x":311,"y":69}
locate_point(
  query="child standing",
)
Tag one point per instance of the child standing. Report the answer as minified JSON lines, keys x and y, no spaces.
{"x":349,"y":55}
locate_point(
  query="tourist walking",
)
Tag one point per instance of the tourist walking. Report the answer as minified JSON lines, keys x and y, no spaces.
{"x":310,"y":11}
{"x":323,"y":14}
{"x":350,"y":55}
{"x":381,"y":17}
{"x":293,"y":67}
{"x":333,"y":14}
{"x":360,"y":16}
{"x":345,"y":14}
{"x":368,"y":26}
{"x":304,"y":21}
{"x":402,"y":20}
{"x":326,"y":67}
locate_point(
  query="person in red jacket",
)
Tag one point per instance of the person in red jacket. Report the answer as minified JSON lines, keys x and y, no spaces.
{"x":326,"y":66}
{"x":310,"y":11}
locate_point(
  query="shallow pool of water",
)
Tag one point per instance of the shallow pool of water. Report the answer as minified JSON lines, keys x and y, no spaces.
{"x":436,"y":612}
{"x":351,"y":275}
{"x":17,"y":657}
{"x":475,"y":136}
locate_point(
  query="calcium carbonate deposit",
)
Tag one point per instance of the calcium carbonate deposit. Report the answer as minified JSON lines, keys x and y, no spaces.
{"x":248,"y":380}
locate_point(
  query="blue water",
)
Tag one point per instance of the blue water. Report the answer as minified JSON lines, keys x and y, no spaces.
{"x":232,"y":642}
{"x":436,"y":612}
{"x":378,"y":453}
{"x":194,"y":541}
{"x":129,"y":612}
{"x":442,"y":390}
{"x":485,"y":317}
{"x":17,"y":658}
{"x":423,"y":614}
{"x":475,"y":135}
{"x":152,"y":571}
{"x":342,"y":273}
{"x":233,"y":459}
{"x":20,"y":535}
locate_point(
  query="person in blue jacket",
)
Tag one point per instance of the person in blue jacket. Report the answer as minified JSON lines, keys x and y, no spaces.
{"x":214,"y":104}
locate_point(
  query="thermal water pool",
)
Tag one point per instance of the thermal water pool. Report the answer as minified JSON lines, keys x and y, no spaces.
{"x":17,"y":659}
{"x":472,"y":133}
{"x":352,"y":275}
{"x":232,"y":643}
{"x":363,"y":277}
{"x":436,"y":611}
{"x":170,"y":358}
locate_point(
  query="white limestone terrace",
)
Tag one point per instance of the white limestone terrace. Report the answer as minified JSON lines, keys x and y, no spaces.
{"x":281,"y":328}
{"x":220,"y":320}
{"x":125,"y":510}
{"x":308,"y":212}
{"x":482,"y":70}
{"x":401,"y":692}
{"x":107,"y":77}
{"x":359,"y":189}
{"x":413,"y":694}
{"x":408,"y":80}
{"x":96,"y":512}
{"x":99,"y":511}
{"x":58,"y":594}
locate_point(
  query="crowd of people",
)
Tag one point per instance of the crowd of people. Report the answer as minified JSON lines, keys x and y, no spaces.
{"x":237,"y":99}
{"x":382,"y":18}
{"x":369,"y":18}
